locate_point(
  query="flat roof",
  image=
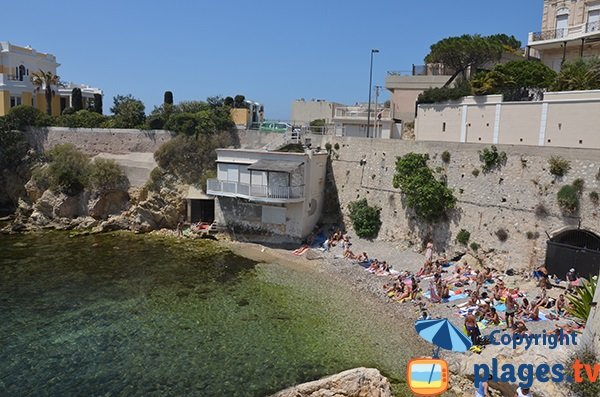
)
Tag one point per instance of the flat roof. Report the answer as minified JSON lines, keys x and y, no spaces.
{"x":275,"y":165}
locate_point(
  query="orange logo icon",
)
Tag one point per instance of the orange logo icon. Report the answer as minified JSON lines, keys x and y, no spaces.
{"x":427,"y":376}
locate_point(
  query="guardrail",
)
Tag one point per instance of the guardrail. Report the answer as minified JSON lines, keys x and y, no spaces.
{"x":215,"y":187}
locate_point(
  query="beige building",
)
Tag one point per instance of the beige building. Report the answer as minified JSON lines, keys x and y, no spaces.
{"x":562,"y":119}
{"x":570,"y":30}
{"x":269,"y":193}
{"x":405,"y":89}
{"x":303,"y":112}
{"x":351,"y":121}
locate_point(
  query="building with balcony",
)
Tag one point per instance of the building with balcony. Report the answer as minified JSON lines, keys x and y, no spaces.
{"x":352,"y":121}
{"x":16,"y":66}
{"x":570,"y":31}
{"x":270,"y":193}
{"x":304,"y":112}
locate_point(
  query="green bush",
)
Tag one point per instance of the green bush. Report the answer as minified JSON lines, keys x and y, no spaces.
{"x":155,"y":180}
{"x":474,"y":246}
{"x":365,"y":219}
{"x":23,"y":116}
{"x":568,"y":199}
{"x":559,"y":166}
{"x":532,"y":235}
{"x":475,"y":172}
{"x":444,"y":94}
{"x":106,"y":174}
{"x":428,"y":197}
{"x":492,"y":158}
{"x":82,"y":119}
{"x":578,"y":184}
{"x":502,"y":234}
{"x":594,"y":198}
{"x":128,"y":112}
{"x":188,"y":157}
{"x":585,"y":355}
{"x":328,"y":147}
{"x":446,"y":156}
{"x":68,"y":169}
{"x":581,"y":302}
{"x":336,"y":146}
{"x":463,"y":236}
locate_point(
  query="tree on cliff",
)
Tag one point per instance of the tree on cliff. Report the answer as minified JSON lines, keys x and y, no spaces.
{"x":77,"y":99}
{"x":46,"y":81}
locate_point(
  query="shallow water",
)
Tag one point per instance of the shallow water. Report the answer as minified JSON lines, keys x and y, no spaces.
{"x":135,"y":315}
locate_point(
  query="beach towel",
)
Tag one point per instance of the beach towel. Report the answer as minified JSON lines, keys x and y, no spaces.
{"x":542,"y":317}
{"x":501,"y":307}
{"x":454,"y":297}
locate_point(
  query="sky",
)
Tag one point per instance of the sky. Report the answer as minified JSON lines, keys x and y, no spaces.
{"x":271,"y":51}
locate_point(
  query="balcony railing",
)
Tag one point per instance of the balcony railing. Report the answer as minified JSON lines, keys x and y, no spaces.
{"x":217,"y":188}
{"x":360,"y":113}
{"x":433,"y":69}
{"x":570,"y":32}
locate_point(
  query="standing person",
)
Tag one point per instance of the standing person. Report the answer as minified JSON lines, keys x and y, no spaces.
{"x":571,"y":279}
{"x":511,"y":309}
{"x":523,"y":392}
{"x":472,"y":329}
{"x":429,"y":252}
{"x":483,"y":388}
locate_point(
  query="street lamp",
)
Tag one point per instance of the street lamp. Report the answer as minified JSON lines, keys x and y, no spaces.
{"x":373,"y":51}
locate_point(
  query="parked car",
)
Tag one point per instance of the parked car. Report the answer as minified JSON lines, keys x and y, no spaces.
{"x":274,"y":126}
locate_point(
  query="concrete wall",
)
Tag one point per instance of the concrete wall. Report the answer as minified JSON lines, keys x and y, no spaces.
{"x":93,"y":141}
{"x":562,"y":119}
{"x":406,"y":89}
{"x":506,"y":198}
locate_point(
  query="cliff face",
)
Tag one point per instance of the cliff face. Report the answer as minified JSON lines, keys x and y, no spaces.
{"x":520,"y":197}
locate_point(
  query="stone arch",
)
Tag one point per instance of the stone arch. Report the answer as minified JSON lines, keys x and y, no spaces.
{"x":573,"y":248}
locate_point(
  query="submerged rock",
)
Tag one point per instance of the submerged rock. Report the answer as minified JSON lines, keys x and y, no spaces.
{"x":357,"y":382}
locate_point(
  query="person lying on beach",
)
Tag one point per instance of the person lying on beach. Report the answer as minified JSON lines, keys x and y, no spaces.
{"x":363,"y":257}
{"x":414,"y":288}
{"x":374,"y":266}
{"x":383,"y":270}
{"x":534,"y":314}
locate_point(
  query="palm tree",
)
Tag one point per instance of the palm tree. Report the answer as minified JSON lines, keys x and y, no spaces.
{"x":45,"y":80}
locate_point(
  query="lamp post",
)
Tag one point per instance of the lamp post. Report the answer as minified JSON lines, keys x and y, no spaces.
{"x":373,"y":51}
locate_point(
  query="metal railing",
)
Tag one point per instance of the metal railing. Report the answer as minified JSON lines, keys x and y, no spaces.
{"x":432,"y":69}
{"x":14,"y":77}
{"x":571,"y":31}
{"x":361,"y":113}
{"x":215,"y":187}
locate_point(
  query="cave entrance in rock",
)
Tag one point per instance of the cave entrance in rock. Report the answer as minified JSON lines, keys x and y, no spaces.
{"x":201,"y":210}
{"x":573,"y":248}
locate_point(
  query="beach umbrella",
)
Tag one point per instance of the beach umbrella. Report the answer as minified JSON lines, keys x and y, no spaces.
{"x":443,"y":334}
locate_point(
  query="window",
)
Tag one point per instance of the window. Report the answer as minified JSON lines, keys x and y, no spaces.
{"x":15,"y":101}
{"x":21,"y":72}
{"x":593,"y":23}
{"x":562,"y":22}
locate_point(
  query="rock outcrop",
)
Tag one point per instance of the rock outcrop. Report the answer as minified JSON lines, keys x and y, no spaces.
{"x":358,"y":382}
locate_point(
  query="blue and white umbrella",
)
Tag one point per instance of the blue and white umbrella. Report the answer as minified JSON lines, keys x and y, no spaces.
{"x":443,"y":334}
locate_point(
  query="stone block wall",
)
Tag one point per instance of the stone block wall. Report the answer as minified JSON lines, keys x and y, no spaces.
{"x":505,"y":198}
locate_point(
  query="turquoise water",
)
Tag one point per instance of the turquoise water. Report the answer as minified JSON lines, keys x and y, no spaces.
{"x":135,"y":315}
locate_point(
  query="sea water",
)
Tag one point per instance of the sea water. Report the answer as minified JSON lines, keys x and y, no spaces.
{"x":137,"y":315}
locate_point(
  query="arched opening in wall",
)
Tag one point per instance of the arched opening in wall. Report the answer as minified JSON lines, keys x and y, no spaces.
{"x":573,"y":248}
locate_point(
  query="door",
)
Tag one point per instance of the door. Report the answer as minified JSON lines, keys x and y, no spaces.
{"x":562,"y":23}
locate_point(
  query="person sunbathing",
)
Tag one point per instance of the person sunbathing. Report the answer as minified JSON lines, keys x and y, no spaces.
{"x":520,"y":328}
{"x":374,"y":266}
{"x":493,"y":317}
{"x":383,"y":270}
{"x":363,"y":257}
{"x":414,"y":288}
{"x":443,"y":290}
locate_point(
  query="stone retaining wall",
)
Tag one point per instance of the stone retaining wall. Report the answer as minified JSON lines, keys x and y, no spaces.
{"x":504,"y":198}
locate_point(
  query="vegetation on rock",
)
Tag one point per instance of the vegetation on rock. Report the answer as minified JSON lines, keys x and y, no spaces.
{"x":559,"y":166}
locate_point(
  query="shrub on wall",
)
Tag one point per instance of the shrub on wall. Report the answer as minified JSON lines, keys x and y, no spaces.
{"x":23,"y":116}
{"x":594,"y":198}
{"x":502,"y":234}
{"x":568,"y":199}
{"x":463,"y":236}
{"x":428,"y":197}
{"x":68,"y":169}
{"x":446,"y":156}
{"x":584,"y":355}
{"x":492,"y":158}
{"x":475,"y":172}
{"x":365,"y":219}
{"x":474,"y":246}
{"x":559,"y":166}
{"x":578,"y":184}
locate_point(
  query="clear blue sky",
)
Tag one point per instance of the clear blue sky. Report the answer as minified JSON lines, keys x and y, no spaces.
{"x":271,"y":51}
